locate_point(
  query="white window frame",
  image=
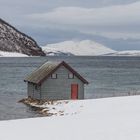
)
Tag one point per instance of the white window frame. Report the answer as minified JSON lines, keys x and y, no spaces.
{"x":54,"y":76}
{"x":70,"y":76}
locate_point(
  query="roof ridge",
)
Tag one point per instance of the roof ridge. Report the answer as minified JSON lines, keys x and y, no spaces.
{"x":49,"y":67}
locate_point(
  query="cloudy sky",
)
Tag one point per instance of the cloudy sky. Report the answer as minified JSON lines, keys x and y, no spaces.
{"x":114,"y":23}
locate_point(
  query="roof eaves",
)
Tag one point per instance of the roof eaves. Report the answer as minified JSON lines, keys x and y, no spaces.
{"x":75,"y":72}
{"x":51,"y":72}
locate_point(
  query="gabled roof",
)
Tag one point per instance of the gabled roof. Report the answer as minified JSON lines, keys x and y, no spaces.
{"x":43,"y":72}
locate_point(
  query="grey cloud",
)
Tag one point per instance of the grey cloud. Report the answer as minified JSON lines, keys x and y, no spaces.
{"x":56,"y":35}
{"x":113,"y":21}
{"x":15,"y":11}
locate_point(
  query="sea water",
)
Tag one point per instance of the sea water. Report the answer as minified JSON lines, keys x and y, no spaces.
{"x":107,"y":76}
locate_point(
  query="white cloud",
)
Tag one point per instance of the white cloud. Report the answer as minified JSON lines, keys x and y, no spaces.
{"x":119,"y":19}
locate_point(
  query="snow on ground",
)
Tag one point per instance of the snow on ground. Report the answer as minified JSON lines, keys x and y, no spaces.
{"x":99,"y":119}
{"x":11,"y":54}
{"x":80,"y":48}
{"x":57,"y":108}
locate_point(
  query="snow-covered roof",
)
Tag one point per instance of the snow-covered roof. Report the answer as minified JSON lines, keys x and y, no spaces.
{"x":43,"y":72}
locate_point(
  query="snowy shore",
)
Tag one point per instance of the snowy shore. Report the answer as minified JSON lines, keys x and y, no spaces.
{"x":12,"y":54}
{"x":100,"y":119}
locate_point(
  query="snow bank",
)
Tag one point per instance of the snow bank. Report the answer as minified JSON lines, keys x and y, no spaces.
{"x":80,"y":48}
{"x":101,"y":119}
{"x":11,"y":54}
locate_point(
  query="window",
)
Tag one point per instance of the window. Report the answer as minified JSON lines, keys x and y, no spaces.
{"x":70,"y":75}
{"x":54,"y":76}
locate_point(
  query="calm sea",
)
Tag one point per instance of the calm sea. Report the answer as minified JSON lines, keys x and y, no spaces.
{"x":108,"y":76}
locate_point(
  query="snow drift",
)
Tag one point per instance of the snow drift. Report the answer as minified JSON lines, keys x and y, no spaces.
{"x":100,"y":119}
{"x":79,"y":48}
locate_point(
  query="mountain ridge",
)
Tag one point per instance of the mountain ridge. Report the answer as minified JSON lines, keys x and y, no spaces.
{"x":13,"y":40}
{"x":79,"y":48}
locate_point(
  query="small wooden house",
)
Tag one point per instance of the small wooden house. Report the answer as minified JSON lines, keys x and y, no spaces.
{"x":55,"y":81}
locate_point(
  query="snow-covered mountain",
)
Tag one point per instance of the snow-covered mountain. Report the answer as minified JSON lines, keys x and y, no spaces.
{"x":12,"y":40}
{"x":79,"y":48}
{"x":127,"y":53}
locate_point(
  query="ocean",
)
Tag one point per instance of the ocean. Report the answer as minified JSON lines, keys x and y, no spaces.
{"x":108,"y":77}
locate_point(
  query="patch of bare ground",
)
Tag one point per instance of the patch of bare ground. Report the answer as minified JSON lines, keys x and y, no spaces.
{"x":38,"y":106}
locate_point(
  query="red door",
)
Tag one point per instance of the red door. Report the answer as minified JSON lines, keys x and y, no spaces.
{"x":74,"y":91}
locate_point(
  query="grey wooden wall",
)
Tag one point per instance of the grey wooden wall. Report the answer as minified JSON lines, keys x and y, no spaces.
{"x":55,"y":89}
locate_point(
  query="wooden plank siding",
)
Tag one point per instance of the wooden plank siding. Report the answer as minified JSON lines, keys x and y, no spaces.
{"x":33,"y":91}
{"x":56,"y":89}
{"x":30,"y":89}
{"x":60,"y":88}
